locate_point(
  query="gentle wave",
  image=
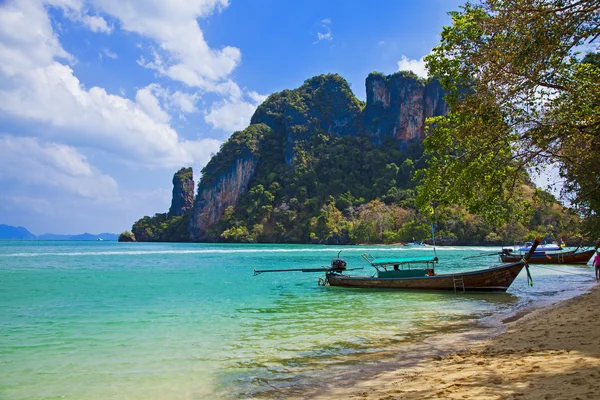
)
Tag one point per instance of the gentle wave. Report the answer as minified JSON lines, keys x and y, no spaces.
{"x":228,"y":251}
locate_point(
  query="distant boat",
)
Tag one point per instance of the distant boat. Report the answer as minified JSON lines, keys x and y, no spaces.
{"x":543,"y":257}
{"x":542,"y":247}
{"x":99,"y":239}
{"x":549,"y":254}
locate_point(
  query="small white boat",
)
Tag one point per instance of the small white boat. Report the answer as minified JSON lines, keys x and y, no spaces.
{"x":542,"y":247}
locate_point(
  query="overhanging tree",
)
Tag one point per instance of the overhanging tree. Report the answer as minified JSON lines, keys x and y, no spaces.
{"x":520,"y":97}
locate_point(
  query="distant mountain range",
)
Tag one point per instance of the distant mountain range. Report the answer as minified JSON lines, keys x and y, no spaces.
{"x":8,"y":232}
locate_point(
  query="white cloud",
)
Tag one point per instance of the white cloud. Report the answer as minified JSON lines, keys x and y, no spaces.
{"x":230,"y":116}
{"x":49,"y":164}
{"x":327,"y":35}
{"x":146,"y":99}
{"x":78,"y":11}
{"x":323,"y":36}
{"x":234,"y":115}
{"x":27,"y":39}
{"x":416,"y":66}
{"x":183,"y":53}
{"x":37,"y":88}
{"x":96,"y":24}
{"x":110,"y":54}
{"x":184,"y":101}
{"x":257,"y":98}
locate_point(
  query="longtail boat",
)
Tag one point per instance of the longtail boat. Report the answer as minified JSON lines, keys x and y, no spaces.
{"x":577,"y":256}
{"x":564,"y":257}
{"x":418,"y":273}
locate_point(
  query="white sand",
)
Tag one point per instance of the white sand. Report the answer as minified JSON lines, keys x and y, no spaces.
{"x":551,"y":353}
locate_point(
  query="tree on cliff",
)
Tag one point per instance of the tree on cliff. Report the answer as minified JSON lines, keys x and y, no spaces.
{"x":520,"y":97}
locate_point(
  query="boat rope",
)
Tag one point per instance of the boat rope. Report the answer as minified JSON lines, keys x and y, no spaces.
{"x":561,"y":271}
{"x":529,"y":278}
{"x":433,"y":239}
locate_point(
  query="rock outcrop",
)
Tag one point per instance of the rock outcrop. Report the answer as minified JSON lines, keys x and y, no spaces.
{"x":398,"y":104}
{"x":126,"y":237}
{"x":226,"y":178}
{"x":183,"y":192}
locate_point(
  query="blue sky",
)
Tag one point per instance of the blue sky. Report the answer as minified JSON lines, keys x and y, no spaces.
{"x":101,"y":101}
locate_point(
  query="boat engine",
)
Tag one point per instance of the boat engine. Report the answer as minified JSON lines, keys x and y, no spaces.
{"x":338,"y":264}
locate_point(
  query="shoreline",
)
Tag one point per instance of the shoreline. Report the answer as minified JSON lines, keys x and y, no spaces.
{"x":548,"y":352}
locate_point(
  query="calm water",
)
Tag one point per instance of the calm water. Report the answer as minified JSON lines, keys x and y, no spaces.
{"x":107,"y":320}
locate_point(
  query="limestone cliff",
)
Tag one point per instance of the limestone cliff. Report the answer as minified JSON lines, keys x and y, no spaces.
{"x":398,"y":104}
{"x":226,"y":178}
{"x":171,"y":226}
{"x":288,"y":137}
{"x":183,"y":192}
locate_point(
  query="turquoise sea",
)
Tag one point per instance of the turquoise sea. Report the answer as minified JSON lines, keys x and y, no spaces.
{"x":108,"y":320}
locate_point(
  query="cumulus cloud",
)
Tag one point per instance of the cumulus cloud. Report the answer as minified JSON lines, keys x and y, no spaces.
{"x":257,"y":98}
{"x":37,"y":87}
{"x":234,"y":114}
{"x":416,"y":66}
{"x":55,"y":165}
{"x":185,"y":102}
{"x":96,"y":23}
{"x":183,"y":54}
{"x":79,"y":11}
{"x":230,"y":116}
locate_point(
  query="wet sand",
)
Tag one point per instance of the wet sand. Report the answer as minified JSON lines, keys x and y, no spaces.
{"x":549,"y":353}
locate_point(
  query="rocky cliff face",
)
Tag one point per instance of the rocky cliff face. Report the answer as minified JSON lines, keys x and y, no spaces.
{"x":398,"y":104}
{"x":214,"y":199}
{"x":226,"y":178}
{"x":183,"y":192}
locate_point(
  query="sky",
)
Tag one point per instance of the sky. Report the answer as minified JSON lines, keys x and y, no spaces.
{"x":102,"y":101}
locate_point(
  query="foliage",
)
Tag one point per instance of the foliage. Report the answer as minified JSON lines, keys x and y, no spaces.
{"x":240,"y":144}
{"x":127,"y":236}
{"x":183,"y":174}
{"x":162,"y":228}
{"x":519,"y":98}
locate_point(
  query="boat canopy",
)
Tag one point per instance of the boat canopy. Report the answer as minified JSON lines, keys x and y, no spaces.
{"x":383,"y":262}
{"x":402,"y":260}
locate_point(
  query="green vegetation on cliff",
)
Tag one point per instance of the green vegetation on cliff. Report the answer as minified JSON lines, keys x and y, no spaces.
{"x":127,"y":237}
{"x":162,"y":228}
{"x":317,"y":165}
{"x":322,"y":179}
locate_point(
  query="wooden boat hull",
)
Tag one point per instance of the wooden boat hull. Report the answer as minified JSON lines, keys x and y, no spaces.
{"x":552,"y":258}
{"x":496,"y":279}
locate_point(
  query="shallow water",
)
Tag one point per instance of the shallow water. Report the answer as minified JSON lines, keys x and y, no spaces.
{"x":111,"y":320}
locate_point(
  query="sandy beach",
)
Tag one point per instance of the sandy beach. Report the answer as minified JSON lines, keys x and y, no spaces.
{"x":549,"y":353}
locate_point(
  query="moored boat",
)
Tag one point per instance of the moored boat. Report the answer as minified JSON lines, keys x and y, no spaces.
{"x":542,"y":247}
{"x":543,"y":257}
{"x":497,"y":278}
{"x":418,"y":273}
